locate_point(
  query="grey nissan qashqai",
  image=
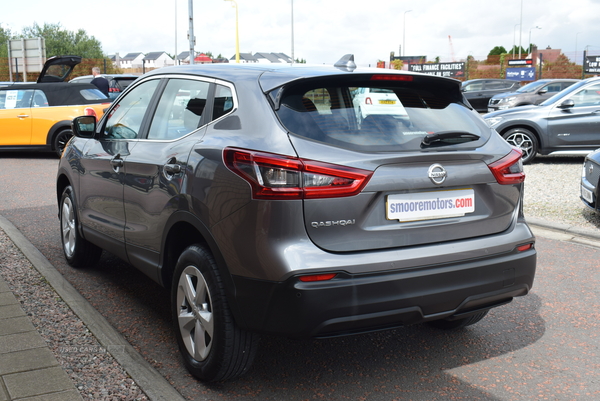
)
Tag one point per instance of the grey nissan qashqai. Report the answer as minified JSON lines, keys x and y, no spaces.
{"x":269,"y":204}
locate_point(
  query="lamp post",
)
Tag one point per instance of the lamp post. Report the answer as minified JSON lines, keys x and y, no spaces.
{"x":292,"y":31}
{"x":404,"y":33}
{"x":191,"y":36}
{"x":576,"y":47}
{"x":514,"y":42}
{"x":535,"y":27}
{"x":237,"y":37}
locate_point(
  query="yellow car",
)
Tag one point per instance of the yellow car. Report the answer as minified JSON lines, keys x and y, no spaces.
{"x":38,"y":116}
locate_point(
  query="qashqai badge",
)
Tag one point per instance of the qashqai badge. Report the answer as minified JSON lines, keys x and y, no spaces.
{"x":437,"y":174}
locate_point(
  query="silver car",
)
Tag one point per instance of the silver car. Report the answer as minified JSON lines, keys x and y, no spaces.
{"x":566,"y":123}
{"x":532,"y":93}
{"x":252,"y":192}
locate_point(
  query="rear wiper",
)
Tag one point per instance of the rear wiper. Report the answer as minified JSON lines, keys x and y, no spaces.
{"x":448,"y":138}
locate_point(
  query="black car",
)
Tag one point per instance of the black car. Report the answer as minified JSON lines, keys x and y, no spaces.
{"x":590,"y":181}
{"x":479,"y":91}
{"x":267,"y":204}
{"x":116,"y":82}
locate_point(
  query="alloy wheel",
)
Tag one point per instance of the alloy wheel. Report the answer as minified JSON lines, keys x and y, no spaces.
{"x":195,"y":317}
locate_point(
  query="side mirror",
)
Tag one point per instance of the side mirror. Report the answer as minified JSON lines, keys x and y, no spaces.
{"x":543,"y":91}
{"x":84,"y":126}
{"x":567,"y":104}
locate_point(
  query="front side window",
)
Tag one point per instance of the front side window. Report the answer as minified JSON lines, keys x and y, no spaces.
{"x":379,"y":115}
{"x":180,"y":109}
{"x":16,"y":99}
{"x":588,"y":96}
{"x":555,"y":87}
{"x":126,"y":117}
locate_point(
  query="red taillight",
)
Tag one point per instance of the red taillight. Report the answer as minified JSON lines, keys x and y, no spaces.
{"x":392,"y":77}
{"x":509,"y":169}
{"x":316,"y":277}
{"x":88,"y":111}
{"x":525,"y":247}
{"x":368,"y":100}
{"x":275,"y":176}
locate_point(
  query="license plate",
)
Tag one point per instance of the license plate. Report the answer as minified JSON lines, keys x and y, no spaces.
{"x":587,"y":194}
{"x":430,"y":205}
{"x":491,"y":110}
{"x":387,"y":102}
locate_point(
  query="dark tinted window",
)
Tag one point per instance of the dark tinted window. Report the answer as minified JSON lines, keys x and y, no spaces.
{"x":377,"y":115}
{"x":497,"y":85}
{"x":223,"y":101}
{"x":121,"y":83}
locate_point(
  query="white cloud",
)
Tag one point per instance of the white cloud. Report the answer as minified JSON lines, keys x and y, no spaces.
{"x":325,"y":30}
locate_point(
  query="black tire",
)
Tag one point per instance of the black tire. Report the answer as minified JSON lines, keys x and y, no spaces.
{"x":77,"y":250}
{"x":61,"y":139}
{"x":458,"y":323}
{"x":525,"y":140}
{"x":213,"y":347}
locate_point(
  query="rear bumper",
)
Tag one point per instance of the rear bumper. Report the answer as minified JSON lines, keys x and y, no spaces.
{"x":354,"y":303}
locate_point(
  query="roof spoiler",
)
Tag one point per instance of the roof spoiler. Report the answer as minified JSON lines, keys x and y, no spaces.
{"x":346,"y":63}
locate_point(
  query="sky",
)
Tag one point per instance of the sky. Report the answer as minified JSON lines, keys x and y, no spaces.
{"x":325,"y":30}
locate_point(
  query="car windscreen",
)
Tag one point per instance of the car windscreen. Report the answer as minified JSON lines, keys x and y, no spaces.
{"x":375,"y":113}
{"x":531,"y":87}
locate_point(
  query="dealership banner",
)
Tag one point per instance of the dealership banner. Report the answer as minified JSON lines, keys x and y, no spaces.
{"x":453,"y":70}
{"x":521,"y":74}
{"x":592,"y":64}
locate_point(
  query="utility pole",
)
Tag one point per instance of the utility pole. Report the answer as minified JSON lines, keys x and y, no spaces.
{"x":191,"y":36}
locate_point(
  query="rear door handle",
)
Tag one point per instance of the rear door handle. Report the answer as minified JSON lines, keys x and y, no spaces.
{"x":171,"y":168}
{"x":116,"y":163}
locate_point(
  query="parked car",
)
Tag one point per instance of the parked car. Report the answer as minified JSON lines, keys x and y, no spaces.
{"x":377,"y":101}
{"x":479,"y":91}
{"x":590,"y":181}
{"x":567,"y":123}
{"x":116,"y":82}
{"x":532,"y":93}
{"x":38,"y":116}
{"x":264,"y":212}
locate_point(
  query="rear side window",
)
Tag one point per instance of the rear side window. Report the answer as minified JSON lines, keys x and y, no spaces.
{"x":379,"y":114}
{"x":92,"y":94}
{"x":39,"y":99}
{"x":223,"y":103}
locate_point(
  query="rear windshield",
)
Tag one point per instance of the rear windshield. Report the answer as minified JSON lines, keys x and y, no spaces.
{"x":371,"y":114}
{"x":121,"y":83}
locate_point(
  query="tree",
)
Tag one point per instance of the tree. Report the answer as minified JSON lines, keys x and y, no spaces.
{"x":62,"y":42}
{"x":397,"y":64}
{"x":515,"y":50}
{"x":5,"y":35}
{"x":498,"y":50}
